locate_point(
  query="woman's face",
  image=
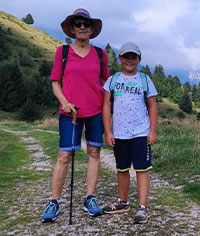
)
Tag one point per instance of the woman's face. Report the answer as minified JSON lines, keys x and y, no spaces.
{"x":82,"y":28}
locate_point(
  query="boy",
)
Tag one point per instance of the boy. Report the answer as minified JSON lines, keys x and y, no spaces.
{"x":134,"y":124}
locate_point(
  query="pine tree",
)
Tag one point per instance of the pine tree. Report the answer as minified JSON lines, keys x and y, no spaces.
{"x":68,"y":40}
{"x":12,"y":89}
{"x":187,"y":87}
{"x":28,"y":19}
{"x":112,"y":60}
{"x":185,"y":103}
{"x":146,"y":70}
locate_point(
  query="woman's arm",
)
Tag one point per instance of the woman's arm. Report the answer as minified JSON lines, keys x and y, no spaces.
{"x":57,"y":90}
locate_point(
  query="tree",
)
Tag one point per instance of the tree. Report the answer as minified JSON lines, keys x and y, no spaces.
{"x":146,"y":70}
{"x":45,"y":68}
{"x":159,"y":71}
{"x":187,"y":87}
{"x":159,"y":81}
{"x":112,"y":60}
{"x":68,"y":40}
{"x":185,"y":103}
{"x":194,"y":92}
{"x":108,"y":47}
{"x":174,"y":89}
{"x":28,"y":19}
{"x":12,"y":89}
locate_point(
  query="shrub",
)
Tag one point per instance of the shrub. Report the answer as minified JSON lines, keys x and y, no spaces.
{"x":180,"y":115}
{"x":30,"y":112}
{"x":45,"y":68}
{"x":198,"y":116}
{"x":25,"y":59}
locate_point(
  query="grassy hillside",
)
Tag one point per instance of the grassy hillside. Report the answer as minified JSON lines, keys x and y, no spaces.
{"x":25,"y":36}
{"x":23,"y":40}
{"x":26,"y":58}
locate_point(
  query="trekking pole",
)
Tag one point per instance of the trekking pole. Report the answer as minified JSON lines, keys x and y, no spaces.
{"x":72,"y":171}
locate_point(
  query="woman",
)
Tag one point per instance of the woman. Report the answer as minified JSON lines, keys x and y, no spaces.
{"x":80,"y":85}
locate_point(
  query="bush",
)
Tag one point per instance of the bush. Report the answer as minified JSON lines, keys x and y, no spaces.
{"x":45,"y":68}
{"x":25,"y":59}
{"x":180,"y":115}
{"x":30,"y":112}
{"x":198,"y":116}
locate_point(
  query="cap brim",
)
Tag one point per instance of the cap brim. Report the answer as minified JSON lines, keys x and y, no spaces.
{"x":121,"y":54}
{"x":66,"y":26}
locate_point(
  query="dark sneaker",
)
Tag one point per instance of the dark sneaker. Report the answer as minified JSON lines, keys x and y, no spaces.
{"x":142,"y":215}
{"x":117,"y":207}
{"x":91,"y":206}
{"x":51,"y":211}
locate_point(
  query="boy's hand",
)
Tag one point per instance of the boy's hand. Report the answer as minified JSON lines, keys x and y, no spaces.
{"x":110,"y":140}
{"x":151,"y":138}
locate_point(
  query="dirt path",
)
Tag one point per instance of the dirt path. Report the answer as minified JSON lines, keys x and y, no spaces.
{"x":168,"y":216}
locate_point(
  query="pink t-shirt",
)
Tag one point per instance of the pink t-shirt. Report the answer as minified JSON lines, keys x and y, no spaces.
{"x":81,"y":82}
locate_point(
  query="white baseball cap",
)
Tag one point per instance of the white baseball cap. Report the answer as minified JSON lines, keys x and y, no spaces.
{"x":130,"y":47}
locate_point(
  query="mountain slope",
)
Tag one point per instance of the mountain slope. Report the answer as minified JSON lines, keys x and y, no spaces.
{"x":20,"y":35}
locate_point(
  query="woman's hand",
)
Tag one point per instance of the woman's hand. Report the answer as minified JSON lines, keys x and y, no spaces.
{"x":68,"y":108}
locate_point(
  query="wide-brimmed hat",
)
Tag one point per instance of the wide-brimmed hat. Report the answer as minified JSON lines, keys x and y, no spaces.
{"x":130,"y":47}
{"x":96,"y":23}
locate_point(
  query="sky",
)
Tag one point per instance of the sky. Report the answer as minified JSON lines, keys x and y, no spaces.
{"x":167,"y":31}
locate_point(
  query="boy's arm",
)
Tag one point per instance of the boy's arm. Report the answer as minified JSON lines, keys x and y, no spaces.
{"x":109,"y":138}
{"x":153,"y":115}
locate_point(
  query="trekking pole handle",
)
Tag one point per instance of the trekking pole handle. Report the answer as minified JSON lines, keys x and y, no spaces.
{"x":74,"y":116}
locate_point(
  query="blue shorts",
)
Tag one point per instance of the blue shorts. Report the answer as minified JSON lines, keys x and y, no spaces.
{"x":93,"y":132}
{"x":134,"y":151}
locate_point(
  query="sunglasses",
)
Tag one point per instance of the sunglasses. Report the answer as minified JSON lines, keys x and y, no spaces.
{"x":78,"y":24}
{"x":130,"y":56}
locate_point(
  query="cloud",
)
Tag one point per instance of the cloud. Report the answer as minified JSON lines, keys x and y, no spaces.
{"x":159,"y":17}
{"x":191,"y":55}
{"x":167,"y":31}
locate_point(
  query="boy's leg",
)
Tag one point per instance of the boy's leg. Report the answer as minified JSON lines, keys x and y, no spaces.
{"x":143,"y":183}
{"x":121,"y":205}
{"x":123,"y":179}
{"x":142,"y":165}
{"x":123,"y":164}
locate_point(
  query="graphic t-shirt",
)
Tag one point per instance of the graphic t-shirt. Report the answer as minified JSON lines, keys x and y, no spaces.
{"x":130,"y":114}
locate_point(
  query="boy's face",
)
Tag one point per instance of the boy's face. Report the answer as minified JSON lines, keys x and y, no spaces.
{"x":129,"y":62}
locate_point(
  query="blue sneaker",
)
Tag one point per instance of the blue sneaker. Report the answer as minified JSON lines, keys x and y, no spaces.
{"x":51,"y":211}
{"x":91,"y":206}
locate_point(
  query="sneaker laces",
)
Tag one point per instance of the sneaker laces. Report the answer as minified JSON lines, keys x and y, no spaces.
{"x":113,"y":205}
{"x":50,"y":207}
{"x":93,"y":203}
{"x":141,"y":212}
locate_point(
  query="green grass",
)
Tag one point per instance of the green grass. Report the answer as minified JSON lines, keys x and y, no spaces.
{"x":170,"y":197}
{"x":13,"y":156}
{"x":193,"y":191}
{"x":176,"y":154}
